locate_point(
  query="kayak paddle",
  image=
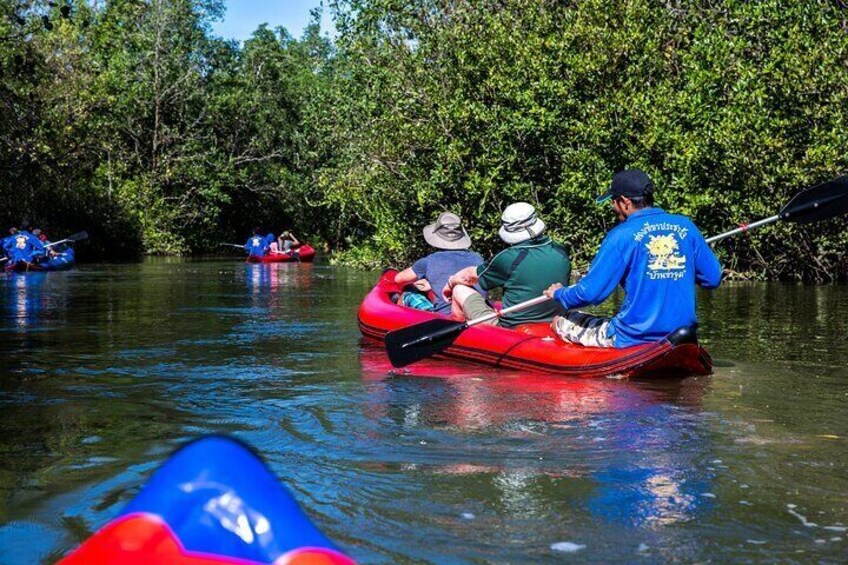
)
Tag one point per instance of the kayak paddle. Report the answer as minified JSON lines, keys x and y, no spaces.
{"x":817,"y":203}
{"x":419,"y":341}
{"x":232,"y":245}
{"x":413,"y":343}
{"x":70,"y":239}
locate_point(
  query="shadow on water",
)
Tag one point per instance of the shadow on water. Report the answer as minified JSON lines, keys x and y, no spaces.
{"x":106,"y":369}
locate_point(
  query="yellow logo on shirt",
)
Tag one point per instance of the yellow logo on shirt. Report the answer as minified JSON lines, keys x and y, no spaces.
{"x":20,"y":242}
{"x":665,"y":255}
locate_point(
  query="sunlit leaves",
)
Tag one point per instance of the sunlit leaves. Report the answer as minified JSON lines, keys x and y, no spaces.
{"x":731,"y":106}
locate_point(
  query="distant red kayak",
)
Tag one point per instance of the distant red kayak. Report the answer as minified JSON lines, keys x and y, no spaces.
{"x":533,"y":347}
{"x":303,"y":254}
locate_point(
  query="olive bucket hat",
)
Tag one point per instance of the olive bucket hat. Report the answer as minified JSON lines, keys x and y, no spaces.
{"x":447,"y":233}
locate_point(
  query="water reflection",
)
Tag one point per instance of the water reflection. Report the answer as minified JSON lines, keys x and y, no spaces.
{"x":24,"y":299}
{"x":635,"y":448}
{"x":272,"y":277}
{"x":268,"y":283}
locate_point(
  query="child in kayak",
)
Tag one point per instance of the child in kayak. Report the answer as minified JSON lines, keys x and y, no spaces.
{"x":452,"y":242}
{"x":531,"y":263}
{"x":657,"y":258}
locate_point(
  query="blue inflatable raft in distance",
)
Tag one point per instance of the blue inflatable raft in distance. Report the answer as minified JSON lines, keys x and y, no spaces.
{"x":57,"y":262}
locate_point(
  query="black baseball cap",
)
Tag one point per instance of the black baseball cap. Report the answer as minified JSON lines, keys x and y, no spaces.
{"x":630,"y":183}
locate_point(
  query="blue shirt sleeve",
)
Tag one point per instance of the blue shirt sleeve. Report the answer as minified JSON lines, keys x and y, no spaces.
{"x":604,"y":275}
{"x":420,"y":268}
{"x":707,"y":267}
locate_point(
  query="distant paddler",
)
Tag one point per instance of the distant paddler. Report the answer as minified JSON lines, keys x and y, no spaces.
{"x":287,"y":242}
{"x":23,"y":246}
{"x":12,"y":231}
{"x":257,"y":245}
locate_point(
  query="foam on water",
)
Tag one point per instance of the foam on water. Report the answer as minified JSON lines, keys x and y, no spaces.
{"x":567,"y":547}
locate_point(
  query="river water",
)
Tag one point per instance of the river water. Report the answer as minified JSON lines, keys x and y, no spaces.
{"x":104,"y":370}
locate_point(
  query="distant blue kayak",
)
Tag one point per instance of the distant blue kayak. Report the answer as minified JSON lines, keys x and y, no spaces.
{"x":58,"y":262}
{"x":212,"y":502}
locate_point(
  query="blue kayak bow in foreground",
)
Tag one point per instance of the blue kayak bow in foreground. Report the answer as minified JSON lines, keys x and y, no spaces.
{"x":212,"y":502}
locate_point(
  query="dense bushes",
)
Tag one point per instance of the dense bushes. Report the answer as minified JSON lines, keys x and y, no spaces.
{"x":138,"y":125}
{"x":730,"y":106}
{"x":142,"y":124}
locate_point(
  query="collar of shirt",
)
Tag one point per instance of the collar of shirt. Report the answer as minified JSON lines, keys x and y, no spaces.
{"x":645,"y":212}
{"x":538,"y":240}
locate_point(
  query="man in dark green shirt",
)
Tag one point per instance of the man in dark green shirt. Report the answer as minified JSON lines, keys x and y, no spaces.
{"x":524,"y":270}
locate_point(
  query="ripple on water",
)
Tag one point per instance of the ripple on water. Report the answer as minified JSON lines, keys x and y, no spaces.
{"x":567,"y":546}
{"x":28,"y":542}
{"x":391,"y":463}
{"x":238,"y":312}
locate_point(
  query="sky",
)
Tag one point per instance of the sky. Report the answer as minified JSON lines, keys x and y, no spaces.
{"x":244,"y":16}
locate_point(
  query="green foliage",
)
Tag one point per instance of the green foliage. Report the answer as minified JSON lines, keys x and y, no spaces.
{"x":130,"y":119}
{"x":731,"y":107}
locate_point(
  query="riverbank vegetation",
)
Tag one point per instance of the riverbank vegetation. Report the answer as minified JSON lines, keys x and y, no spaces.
{"x":129,"y":118}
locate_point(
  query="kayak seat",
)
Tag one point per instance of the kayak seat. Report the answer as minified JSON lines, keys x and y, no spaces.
{"x":686,"y":334}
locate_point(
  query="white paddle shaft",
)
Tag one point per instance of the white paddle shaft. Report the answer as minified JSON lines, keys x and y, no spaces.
{"x":56,"y":243}
{"x":745,"y":227}
{"x":505,"y":311}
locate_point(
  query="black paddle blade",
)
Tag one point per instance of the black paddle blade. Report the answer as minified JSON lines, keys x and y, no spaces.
{"x":78,"y":236}
{"x":411,"y":344}
{"x":820,"y":202}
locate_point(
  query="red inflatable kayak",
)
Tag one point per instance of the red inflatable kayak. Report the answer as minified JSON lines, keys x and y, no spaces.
{"x":304,"y":254}
{"x":533,"y":347}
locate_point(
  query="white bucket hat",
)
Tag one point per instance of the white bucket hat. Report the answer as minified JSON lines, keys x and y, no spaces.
{"x":519,"y":223}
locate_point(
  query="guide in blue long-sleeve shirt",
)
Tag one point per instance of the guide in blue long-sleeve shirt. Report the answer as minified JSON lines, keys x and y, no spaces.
{"x":657,"y":257}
